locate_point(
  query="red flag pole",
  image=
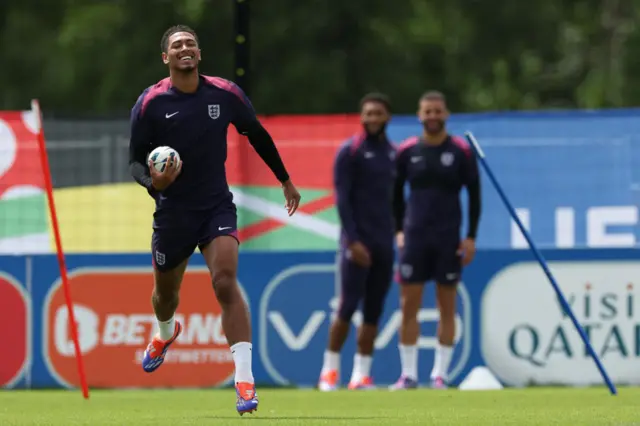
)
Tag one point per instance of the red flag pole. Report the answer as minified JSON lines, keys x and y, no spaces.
{"x":44,"y":159}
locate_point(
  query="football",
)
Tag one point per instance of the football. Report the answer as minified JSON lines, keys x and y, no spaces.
{"x":161,"y":155}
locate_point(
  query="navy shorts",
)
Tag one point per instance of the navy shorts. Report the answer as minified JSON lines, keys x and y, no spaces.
{"x":437,"y":262}
{"x":176,"y":234}
{"x":368,"y":286}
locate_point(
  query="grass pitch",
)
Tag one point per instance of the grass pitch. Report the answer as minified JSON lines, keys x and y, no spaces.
{"x":533,"y":406}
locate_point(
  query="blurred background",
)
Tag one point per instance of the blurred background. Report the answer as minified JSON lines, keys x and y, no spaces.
{"x":92,"y":57}
{"x":549,"y":88}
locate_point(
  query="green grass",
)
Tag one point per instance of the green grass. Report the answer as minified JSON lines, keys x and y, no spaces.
{"x":534,"y":406}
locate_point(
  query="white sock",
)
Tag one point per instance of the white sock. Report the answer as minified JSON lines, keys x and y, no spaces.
{"x":409,"y":361}
{"x":167,"y":328}
{"x":441,"y":361}
{"x":331,"y":361}
{"x":361,"y":367}
{"x":241,"y":352}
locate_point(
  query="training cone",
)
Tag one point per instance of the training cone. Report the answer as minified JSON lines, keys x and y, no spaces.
{"x":480,"y":378}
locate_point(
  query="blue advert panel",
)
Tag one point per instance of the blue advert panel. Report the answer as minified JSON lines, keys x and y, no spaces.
{"x":508,"y":319}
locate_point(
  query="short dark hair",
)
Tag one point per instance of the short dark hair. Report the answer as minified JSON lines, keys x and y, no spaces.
{"x":433,"y":95}
{"x":380,"y":98}
{"x":164,"y":41}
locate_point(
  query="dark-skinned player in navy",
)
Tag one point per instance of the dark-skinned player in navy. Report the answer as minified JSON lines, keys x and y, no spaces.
{"x":191,"y":112}
{"x":363,"y":179}
{"x":436,"y":165}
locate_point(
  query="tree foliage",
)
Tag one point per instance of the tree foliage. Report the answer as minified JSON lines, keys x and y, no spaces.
{"x":320,"y":56}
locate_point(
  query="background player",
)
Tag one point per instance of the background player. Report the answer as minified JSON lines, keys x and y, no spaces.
{"x":363,"y":180}
{"x":191,"y":112}
{"x":436,"y":165}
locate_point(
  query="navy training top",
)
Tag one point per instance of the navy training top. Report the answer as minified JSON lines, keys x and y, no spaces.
{"x":436,"y":175}
{"x":195,"y":125}
{"x":364,"y":172}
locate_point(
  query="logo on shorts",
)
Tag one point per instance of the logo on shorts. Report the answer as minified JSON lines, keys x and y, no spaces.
{"x":447,"y":159}
{"x":214,"y":111}
{"x":406,"y":270}
{"x":160,"y":258}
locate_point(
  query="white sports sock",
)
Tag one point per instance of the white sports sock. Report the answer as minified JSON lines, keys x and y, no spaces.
{"x":241,"y":352}
{"x":167,"y":328}
{"x":331,"y":361}
{"x":441,"y":362}
{"x":361,"y":367}
{"x":409,"y":361}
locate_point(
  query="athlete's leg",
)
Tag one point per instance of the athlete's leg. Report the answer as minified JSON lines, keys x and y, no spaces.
{"x":166,"y":296}
{"x":410,"y":303}
{"x":352,"y":281}
{"x":416,"y":267}
{"x":446,"y":300}
{"x":447,"y":275}
{"x":221,"y":256}
{"x":170,"y":257}
{"x":375,"y":294}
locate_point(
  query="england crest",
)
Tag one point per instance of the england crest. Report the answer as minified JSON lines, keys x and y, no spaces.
{"x":214,"y":111}
{"x":160,"y":258}
{"x":447,"y":159}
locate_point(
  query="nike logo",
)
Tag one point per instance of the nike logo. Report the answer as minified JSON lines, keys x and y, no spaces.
{"x":369,"y":155}
{"x":415,"y":159}
{"x":170,"y":115}
{"x":220,"y":228}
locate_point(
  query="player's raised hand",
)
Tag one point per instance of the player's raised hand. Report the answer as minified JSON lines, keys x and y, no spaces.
{"x":161,"y":180}
{"x":292,"y":196}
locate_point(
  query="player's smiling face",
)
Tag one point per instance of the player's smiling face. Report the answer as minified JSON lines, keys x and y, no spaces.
{"x":182,"y":52}
{"x":374,"y":117}
{"x":433,"y":115}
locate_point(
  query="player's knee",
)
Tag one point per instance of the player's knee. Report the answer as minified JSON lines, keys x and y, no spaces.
{"x":409,"y":306}
{"x":371,"y":313}
{"x":225,"y":286}
{"x":347,"y":308}
{"x":371,"y":319}
{"x":446,"y":298}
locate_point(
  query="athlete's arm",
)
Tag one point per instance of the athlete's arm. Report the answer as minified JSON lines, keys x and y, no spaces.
{"x":472,"y":178}
{"x":139,"y":146}
{"x":343,"y":184}
{"x":399,"y":204}
{"x":246,"y":122}
{"x":473,"y":191}
{"x":263,"y":143}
